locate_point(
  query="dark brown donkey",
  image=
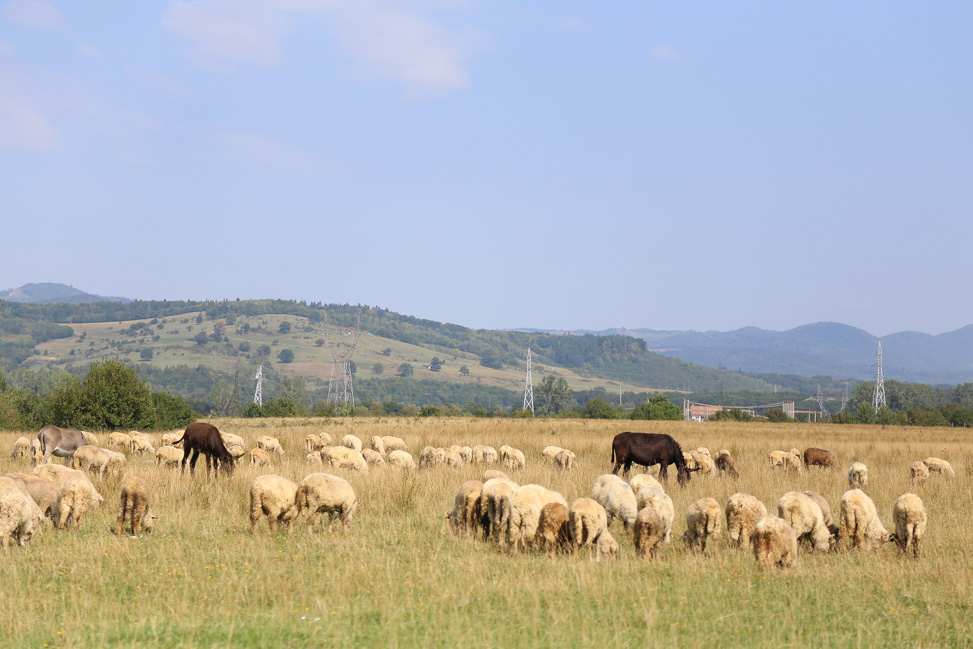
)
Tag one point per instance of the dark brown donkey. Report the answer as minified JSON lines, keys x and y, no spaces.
{"x":204,"y":438}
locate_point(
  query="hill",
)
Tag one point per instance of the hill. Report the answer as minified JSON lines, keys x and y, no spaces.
{"x":824,"y":348}
{"x":52,"y":293}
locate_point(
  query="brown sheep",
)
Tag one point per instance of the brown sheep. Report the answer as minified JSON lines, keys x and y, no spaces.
{"x":819,"y":457}
{"x":553,"y":528}
{"x":725,"y":464}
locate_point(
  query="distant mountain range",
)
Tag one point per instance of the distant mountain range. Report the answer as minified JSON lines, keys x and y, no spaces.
{"x":52,"y":293}
{"x":821,"y":349}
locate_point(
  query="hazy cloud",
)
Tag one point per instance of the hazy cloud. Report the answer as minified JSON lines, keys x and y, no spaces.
{"x":388,"y":40}
{"x":23,"y":128}
{"x":665,"y":53}
{"x":36,"y":13}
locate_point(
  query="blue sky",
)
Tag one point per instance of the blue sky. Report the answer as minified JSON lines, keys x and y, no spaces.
{"x":564,"y":165}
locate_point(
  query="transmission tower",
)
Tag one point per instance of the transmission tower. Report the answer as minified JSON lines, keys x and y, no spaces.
{"x":878,"y":398}
{"x":845,"y":399}
{"x":258,"y":395}
{"x":820,"y":398}
{"x":340,"y":388}
{"x":529,"y":388}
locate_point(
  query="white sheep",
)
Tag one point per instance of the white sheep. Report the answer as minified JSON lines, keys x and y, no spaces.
{"x":235,"y":451}
{"x":465,"y":515}
{"x":314,"y":459}
{"x":168,"y":456}
{"x":454,"y":460}
{"x":92,"y":439}
{"x":75,"y":497}
{"x":140,"y":446}
{"x":430,"y":457}
{"x":640,"y":480}
{"x":490,"y":474}
{"x":394,"y":444}
{"x":352,"y":442}
{"x":525,"y":510}
{"x":825,"y":509}
{"x":259,"y":457}
{"x":774,"y":544}
{"x":321,"y":493}
{"x":909,"y":516}
{"x":702,"y":523}
{"x":742,"y":513}
{"x":702,"y":450}
{"x":466,"y":453}
{"x":860,"y":522}
{"x":275,"y":497}
{"x":495,"y":497}
{"x":565,"y":460}
{"x":617,"y":497}
{"x":553,"y":528}
{"x":401,"y":459}
{"x":939,"y":466}
{"x":21,"y":448}
{"x":150,"y":439}
{"x":793,"y":461}
{"x":919,"y":472}
{"x":119,"y":440}
{"x":607,"y":547}
{"x":56,"y":472}
{"x":342,"y":457}
{"x":485,"y":455}
{"x":660,"y":501}
{"x":377,"y":444}
{"x":312,"y":443}
{"x":170,"y":439}
{"x":373,"y":457}
{"x":804,"y":514}
{"x":587,"y":521}
{"x":229,"y":439}
{"x":649,"y":532}
{"x":513,"y":459}
{"x":134,"y":504}
{"x":858,"y":476}
{"x":270,"y":444}
{"x":92,"y":459}
{"x":20,"y":517}
{"x":703,"y":463}
{"x":777,"y":458}
{"x":547,"y":455}
{"x":36,"y":455}
{"x":42,"y":490}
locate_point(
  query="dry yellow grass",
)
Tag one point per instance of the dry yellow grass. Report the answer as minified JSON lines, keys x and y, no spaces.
{"x":399,"y":578}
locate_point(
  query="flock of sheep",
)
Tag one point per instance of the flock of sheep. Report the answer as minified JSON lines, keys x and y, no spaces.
{"x":516,"y":517}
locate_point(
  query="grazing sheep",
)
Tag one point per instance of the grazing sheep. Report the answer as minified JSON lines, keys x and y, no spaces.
{"x":588,"y":521}
{"x":690,"y":461}
{"x":151,"y":439}
{"x":430,"y":457}
{"x":119,"y":440}
{"x":860,"y":522}
{"x":617,"y":497}
{"x":74,"y":497}
{"x":742,"y":513}
{"x":401,"y":459}
{"x":275,"y":497}
{"x":170,"y":439}
{"x":777,"y":458}
{"x":658,"y":500}
{"x":939,"y":466}
{"x":819,"y":457}
{"x":466,"y":453}
{"x":259,"y":457}
{"x":312,"y":443}
{"x":496,"y":496}
{"x":229,"y":439}
{"x":825,"y":508}
{"x":168,"y":456}
{"x":490,"y":474}
{"x":774,"y":544}
{"x":641,"y":480}
{"x":725,"y":464}
{"x":36,"y":453}
{"x":20,"y":517}
{"x":553,"y":529}
{"x":464,"y":516}
{"x":565,"y":460}
{"x":525,"y":510}
{"x":793,"y":461}
{"x":377,"y":444}
{"x":455,"y":448}
{"x":485,"y":455}
{"x":270,"y":444}
{"x":92,"y":458}
{"x":314,"y":459}
{"x":649,"y":532}
{"x":547,"y":455}
{"x":324,"y":493}
{"x":21,"y":448}
{"x":352,"y":442}
{"x":513,"y":459}
{"x":42,"y":490}
{"x":134,"y":506}
{"x":373,"y":457}
{"x":91,"y":438}
{"x":607,"y":547}
{"x":858,"y":476}
{"x":804,"y":514}
{"x":454,"y":460}
{"x":703,"y":463}
{"x":920,"y":472}
{"x":393,"y":444}
{"x":236,"y":452}
{"x":342,"y":457}
{"x":702,"y":450}
{"x":56,"y":472}
{"x":909,"y":516}
{"x":702,"y":523}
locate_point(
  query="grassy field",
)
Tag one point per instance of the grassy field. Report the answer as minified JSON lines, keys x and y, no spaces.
{"x":311,"y":362}
{"x":399,"y":578}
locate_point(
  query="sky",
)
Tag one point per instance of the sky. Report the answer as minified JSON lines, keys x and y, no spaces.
{"x":498,"y":164}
